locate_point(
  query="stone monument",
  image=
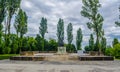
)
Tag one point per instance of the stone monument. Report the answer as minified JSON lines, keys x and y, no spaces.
{"x":61,"y":50}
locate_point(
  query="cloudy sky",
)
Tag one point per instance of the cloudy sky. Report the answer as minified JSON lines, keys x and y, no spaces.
{"x":69,"y":10}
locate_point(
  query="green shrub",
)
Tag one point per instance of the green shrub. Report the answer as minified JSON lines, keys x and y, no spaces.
{"x":7,"y":50}
{"x":109,"y":51}
{"x":116,"y":51}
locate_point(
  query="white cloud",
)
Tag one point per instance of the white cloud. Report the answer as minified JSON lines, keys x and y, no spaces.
{"x":69,"y":10}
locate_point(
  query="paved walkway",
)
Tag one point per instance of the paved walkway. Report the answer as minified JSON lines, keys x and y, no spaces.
{"x":44,"y":66}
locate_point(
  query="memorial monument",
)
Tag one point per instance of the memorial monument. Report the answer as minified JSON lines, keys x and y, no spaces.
{"x":60,"y":35}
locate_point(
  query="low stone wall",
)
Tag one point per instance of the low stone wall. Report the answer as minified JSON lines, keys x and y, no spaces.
{"x":46,"y":57}
{"x":27,"y":58}
{"x":27,"y":53}
{"x":96,"y":58}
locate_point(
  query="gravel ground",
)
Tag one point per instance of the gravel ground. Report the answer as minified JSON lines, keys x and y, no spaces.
{"x":59,"y":66}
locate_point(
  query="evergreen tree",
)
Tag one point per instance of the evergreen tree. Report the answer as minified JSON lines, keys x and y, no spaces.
{"x":69,"y":35}
{"x":43,"y":30}
{"x":90,"y":11}
{"x":79,"y":39}
{"x":60,"y":32}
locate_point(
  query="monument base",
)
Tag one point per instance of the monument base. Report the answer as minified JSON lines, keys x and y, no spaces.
{"x":61,"y":50}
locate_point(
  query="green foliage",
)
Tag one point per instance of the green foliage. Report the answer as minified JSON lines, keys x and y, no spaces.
{"x":79,"y":39}
{"x":20,"y":26}
{"x":2,"y":17}
{"x":87,"y":48}
{"x":7,"y":50}
{"x":70,"y":48}
{"x":24,"y":44}
{"x":43,"y":30}
{"x":21,"y":23}
{"x":43,"y":27}
{"x":116,"y":51}
{"x":115,"y":41}
{"x":60,"y":32}
{"x":69,"y":35}
{"x":13,"y":43}
{"x":31,"y":44}
{"x":11,"y":7}
{"x":91,"y":43}
{"x":90,"y":11}
{"x":103,"y":45}
{"x":38,"y":42}
{"x":52,"y":45}
{"x":109,"y":51}
{"x":118,"y":22}
{"x":2,"y":11}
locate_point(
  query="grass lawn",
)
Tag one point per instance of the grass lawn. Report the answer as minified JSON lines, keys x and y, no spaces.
{"x":6,"y":56}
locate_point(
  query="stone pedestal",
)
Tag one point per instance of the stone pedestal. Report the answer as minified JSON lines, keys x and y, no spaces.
{"x":61,"y":50}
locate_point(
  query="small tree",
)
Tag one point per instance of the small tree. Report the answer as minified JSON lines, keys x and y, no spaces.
{"x":79,"y":39}
{"x":43,"y":29}
{"x":60,"y":32}
{"x":69,"y":35}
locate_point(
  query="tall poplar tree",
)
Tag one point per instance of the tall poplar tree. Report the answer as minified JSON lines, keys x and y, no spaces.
{"x":11,"y":8}
{"x":90,"y":11}
{"x":79,"y":39}
{"x":43,"y":29}
{"x":69,"y":35}
{"x":60,"y":32}
{"x":21,"y":25}
{"x":2,"y":17}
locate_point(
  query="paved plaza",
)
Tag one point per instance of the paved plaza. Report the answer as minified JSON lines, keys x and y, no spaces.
{"x":63,"y":66}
